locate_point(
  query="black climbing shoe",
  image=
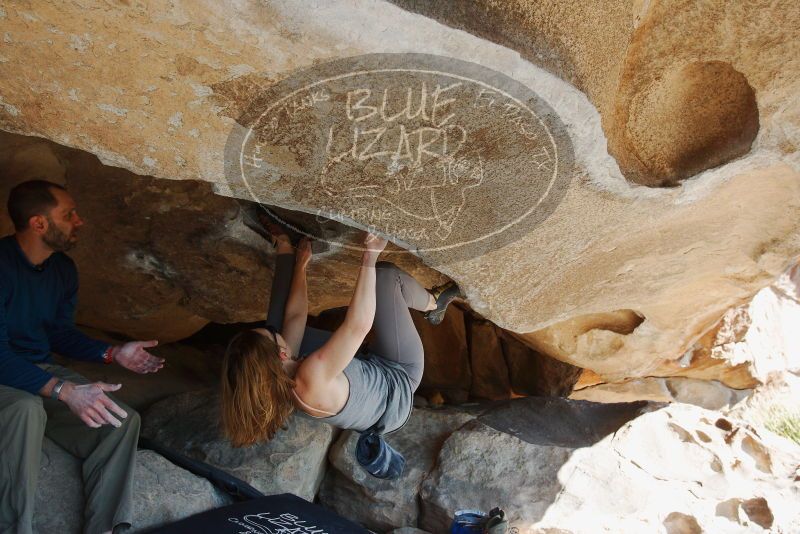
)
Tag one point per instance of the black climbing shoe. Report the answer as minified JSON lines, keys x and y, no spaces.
{"x":444,"y":295}
{"x":267,"y":227}
{"x":497,"y":522}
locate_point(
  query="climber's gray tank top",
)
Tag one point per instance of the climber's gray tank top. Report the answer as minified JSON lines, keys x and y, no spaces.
{"x":380,"y":392}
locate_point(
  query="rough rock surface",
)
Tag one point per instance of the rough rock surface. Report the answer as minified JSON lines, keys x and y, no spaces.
{"x":746,"y":346}
{"x":490,"y":378}
{"x":59,"y":507}
{"x":708,"y":394}
{"x":534,"y":373}
{"x":447,"y":363}
{"x":385,"y":504}
{"x":467,"y":356}
{"x":711,"y":474}
{"x":163,"y":492}
{"x":760,"y":335}
{"x":667,"y":115}
{"x":771,"y":402}
{"x":730,"y":478}
{"x":160,"y":258}
{"x":166,"y":493}
{"x":159,"y":101}
{"x":519,"y":477}
{"x":293,"y":461}
{"x":187,"y":368}
{"x":509,"y":457}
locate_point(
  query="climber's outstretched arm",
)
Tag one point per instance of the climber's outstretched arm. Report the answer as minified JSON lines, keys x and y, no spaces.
{"x":325,"y":364}
{"x":296,"y":312}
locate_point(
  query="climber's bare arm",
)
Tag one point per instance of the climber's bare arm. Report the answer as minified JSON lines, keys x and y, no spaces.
{"x":325,"y":364}
{"x":296,"y":312}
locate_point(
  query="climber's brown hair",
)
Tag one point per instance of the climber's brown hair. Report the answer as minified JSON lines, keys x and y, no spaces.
{"x":256,"y":391}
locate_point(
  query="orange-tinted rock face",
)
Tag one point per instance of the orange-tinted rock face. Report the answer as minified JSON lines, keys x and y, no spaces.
{"x":675,"y":82}
{"x":161,"y":258}
{"x":648,"y":93}
{"x":696,"y":117}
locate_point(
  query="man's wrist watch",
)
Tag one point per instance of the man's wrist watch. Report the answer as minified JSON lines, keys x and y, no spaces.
{"x":56,"y":391}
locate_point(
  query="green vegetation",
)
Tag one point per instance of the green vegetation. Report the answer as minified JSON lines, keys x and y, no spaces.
{"x":783,"y":422}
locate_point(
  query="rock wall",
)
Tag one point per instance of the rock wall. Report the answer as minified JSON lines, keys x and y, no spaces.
{"x":552,"y":464}
{"x":760,"y":335}
{"x":469,"y":358}
{"x":709,"y":394}
{"x":695,"y":95}
{"x":746,"y":346}
{"x":295,"y":463}
{"x":676,"y":125}
{"x":162,"y":258}
{"x":730,"y":477}
{"x":564,"y":464}
{"x":681,"y":86}
{"x":163,"y":492}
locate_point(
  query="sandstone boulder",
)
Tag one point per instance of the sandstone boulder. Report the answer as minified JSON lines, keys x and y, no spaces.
{"x":447,"y":363}
{"x":386,"y":504}
{"x":636,"y":63}
{"x":745,"y":347}
{"x":509,"y":457}
{"x":711,"y":473}
{"x":761,"y":334}
{"x":187,"y":367}
{"x":480,"y":468}
{"x":620,"y":276}
{"x":58,"y":506}
{"x":673,"y":131}
{"x":774,"y":405}
{"x":163,"y":492}
{"x":294,"y":461}
{"x":729,"y":478}
{"x":166,"y":493}
{"x":161,"y":258}
{"x":490,"y":378}
{"x":709,"y":394}
{"x":534,"y":373}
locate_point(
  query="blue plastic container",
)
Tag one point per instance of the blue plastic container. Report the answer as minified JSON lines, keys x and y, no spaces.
{"x":467,"y":522}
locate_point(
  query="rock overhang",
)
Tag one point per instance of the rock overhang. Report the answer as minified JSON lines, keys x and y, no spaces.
{"x":159,"y":100}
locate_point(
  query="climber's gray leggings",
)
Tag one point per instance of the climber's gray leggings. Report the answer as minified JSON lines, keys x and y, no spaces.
{"x":396,"y":337}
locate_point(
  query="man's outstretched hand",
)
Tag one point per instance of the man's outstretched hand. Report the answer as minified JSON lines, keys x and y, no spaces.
{"x":133,"y":356}
{"x":90,"y":403}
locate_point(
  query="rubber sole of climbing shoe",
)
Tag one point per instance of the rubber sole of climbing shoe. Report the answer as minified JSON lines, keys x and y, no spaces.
{"x":444,"y":295}
{"x":257,"y":221}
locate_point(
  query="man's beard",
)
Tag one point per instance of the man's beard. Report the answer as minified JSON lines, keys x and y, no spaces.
{"x":56,"y":239}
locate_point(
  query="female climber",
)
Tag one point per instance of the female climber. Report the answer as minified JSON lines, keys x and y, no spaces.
{"x":269,"y":372}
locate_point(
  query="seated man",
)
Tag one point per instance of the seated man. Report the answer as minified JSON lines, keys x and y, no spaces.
{"x":38,"y":289}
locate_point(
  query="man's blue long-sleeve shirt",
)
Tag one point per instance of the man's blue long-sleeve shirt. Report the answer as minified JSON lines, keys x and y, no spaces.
{"x":37,"y":317}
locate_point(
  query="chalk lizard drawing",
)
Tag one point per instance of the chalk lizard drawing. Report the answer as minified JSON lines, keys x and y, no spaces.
{"x":431,"y":191}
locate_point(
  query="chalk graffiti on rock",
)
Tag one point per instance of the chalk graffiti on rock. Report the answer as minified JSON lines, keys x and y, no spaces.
{"x":269,"y":523}
{"x":446,"y":152}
